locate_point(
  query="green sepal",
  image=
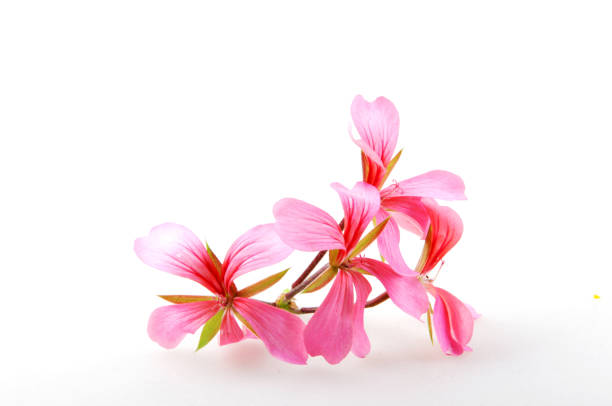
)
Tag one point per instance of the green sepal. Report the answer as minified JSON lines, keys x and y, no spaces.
{"x":261,"y":285}
{"x":424,"y":252}
{"x":429,"y":312}
{"x":178,"y":299}
{"x":218,"y":265}
{"x":391,"y":166}
{"x":369,"y":238}
{"x":322,"y":280}
{"x":333,"y":257}
{"x":211,"y":328}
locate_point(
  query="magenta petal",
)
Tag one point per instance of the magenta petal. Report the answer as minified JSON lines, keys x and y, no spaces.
{"x":360,"y":204}
{"x":388,"y":244}
{"x":409,"y":213}
{"x":175,"y":249}
{"x":168,"y":325}
{"x":475,"y":314}
{"x":435,"y":184}
{"x":406,"y":291}
{"x":248,"y":333}
{"x":230,"y":330}
{"x":306,"y":227}
{"x":446,"y":230}
{"x":361,"y":343}
{"x":257,"y":248}
{"x":370,"y":153}
{"x":378,"y":125}
{"x":330,"y":330}
{"x":280,"y":331}
{"x":453,"y":322}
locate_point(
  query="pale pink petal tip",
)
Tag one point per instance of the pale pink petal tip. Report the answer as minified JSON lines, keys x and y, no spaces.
{"x":475,"y":314}
{"x":306,"y":227}
{"x":434,"y":184}
{"x":175,"y":249}
{"x":168,"y":325}
{"x":259,"y":247}
{"x":377,"y":123}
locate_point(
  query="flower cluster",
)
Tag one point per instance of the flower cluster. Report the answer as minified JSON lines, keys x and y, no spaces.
{"x":337,"y":325}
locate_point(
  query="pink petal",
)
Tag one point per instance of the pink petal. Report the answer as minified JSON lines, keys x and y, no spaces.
{"x":368,"y":151}
{"x":306,"y":227}
{"x":453,"y":322}
{"x":388,"y":244}
{"x":360,"y":204}
{"x":280,"y":331}
{"x":361,"y":343}
{"x":230,"y":330}
{"x":378,"y":125}
{"x":175,"y":249}
{"x":248,"y":333}
{"x":168,"y":325}
{"x":446,"y":230}
{"x":475,"y":314}
{"x":435,"y":184}
{"x":257,"y":248}
{"x":409,"y":212}
{"x":330,"y":330}
{"x":406,"y":291}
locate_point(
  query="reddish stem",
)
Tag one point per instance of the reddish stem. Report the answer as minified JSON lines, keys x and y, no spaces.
{"x":289,"y":295}
{"x":309,"y":268}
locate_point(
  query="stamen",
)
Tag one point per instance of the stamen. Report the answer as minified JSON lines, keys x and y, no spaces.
{"x":439,"y":269}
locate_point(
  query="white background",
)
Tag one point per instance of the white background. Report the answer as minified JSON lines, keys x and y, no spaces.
{"x":116,"y":116}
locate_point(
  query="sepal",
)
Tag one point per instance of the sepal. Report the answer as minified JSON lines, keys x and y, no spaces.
{"x":369,"y":238}
{"x":211,"y":328}
{"x":178,"y":299}
{"x":261,"y":285}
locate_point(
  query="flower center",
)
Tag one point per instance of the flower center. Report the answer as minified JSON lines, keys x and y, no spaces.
{"x":225,"y":301}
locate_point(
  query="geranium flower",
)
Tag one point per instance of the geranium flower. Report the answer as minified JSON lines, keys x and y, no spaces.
{"x":453,"y":320}
{"x":175,"y":249}
{"x":337,"y":326}
{"x":378,"y":125}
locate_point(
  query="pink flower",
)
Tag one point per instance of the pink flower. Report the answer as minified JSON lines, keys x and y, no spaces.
{"x":175,"y":249}
{"x":378,"y":126}
{"x":337,"y":326}
{"x":453,"y":320}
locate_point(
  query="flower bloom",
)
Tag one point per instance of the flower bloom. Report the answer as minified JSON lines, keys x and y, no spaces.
{"x":453,"y":320}
{"x":175,"y":249}
{"x":337,"y":326}
{"x":378,"y":125}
